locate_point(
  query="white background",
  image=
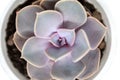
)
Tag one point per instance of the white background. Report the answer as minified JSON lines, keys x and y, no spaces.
{"x":112,"y":67}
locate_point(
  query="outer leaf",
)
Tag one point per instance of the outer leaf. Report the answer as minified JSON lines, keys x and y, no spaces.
{"x":73,"y":12}
{"x":95,"y":31}
{"x":34,"y":51}
{"x":47,"y":22}
{"x":66,"y":69}
{"x":91,"y":60}
{"x":19,"y":41}
{"x":48,"y":4}
{"x":81,"y":46}
{"x":25,"y":20}
{"x":42,"y":73}
{"x":37,"y":2}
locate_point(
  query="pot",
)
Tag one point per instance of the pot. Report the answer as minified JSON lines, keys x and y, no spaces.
{"x":6,"y":63}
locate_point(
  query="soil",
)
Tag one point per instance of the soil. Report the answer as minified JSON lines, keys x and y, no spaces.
{"x":14,"y":53}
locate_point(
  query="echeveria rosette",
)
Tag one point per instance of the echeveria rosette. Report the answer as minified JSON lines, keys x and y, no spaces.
{"x":61,"y":43}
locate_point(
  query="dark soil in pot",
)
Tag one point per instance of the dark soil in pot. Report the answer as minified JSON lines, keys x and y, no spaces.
{"x":14,"y":53}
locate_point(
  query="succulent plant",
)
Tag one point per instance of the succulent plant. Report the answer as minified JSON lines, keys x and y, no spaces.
{"x":58,"y":40}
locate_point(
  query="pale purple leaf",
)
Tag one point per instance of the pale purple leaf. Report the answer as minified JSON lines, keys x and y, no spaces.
{"x":47,"y":22}
{"x":81,"y":46}
{"x":25,"y":20}
{"x":19,"y":41}
{"x":66,"y":69}
{"x":34,"y":51}
{"x":56,"y":53}
{"x":92,"y":61}
{"x":54,"y":39}
{"x":43,"y":73}
{"x":95,"y":31}
{"x":68,"y":34}
{"x":37,"y":2}
{"x":73,"y":12}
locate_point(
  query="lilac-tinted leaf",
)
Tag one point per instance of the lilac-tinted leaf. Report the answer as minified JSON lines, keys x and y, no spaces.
{"x":81,"y":46}
{"x":54,"y":39}
{"x":55,"y":53}
{"x":73,"y":12}
{"x":68,"y":34}
{"x":42,"y":73}
{"x":47,"y":22}
{"x":25,"y":20}
{"x":37,"y":2}
{"x":66,"y":69}
{"x":58,"y":41}
{"x":91,"y":60}
{"x":19,"y":41}
{"x":48,"y":4}
{"x":34,"y":51}
{"x":95,"y":31}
